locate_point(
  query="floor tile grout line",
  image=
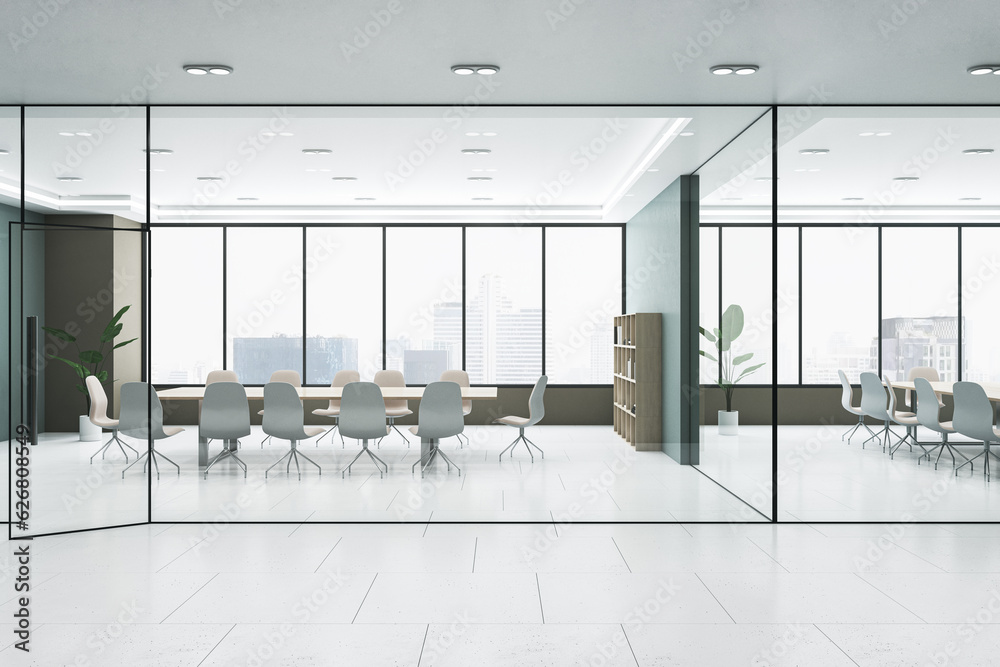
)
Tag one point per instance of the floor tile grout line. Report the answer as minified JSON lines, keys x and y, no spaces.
{"x":393,"y":499}
{"x":613,"y":500}
{"x":212,"y":578}
{"x":370,"y":586}
{"x":423,"y":644}
{"x":629,"y":643}
{"x":431,"y":516}
{"x":475,"y":551}
{"x":555,"y":524}
{"x":290,"y":494}
{"x":685,"y":528}
{"x":846,"y":655}
{"x":538,"y":587}
{"x":217,"y":644}
{"x":302,"y":524}
{"x":764,"y":551}
{"x":561,"y":481}
{"x":903,"y":606}
{"x":203,"y":539}
{"x":339,"y":540}
{"x":932,"y":564}
{"x":712,"y":593}
{"x":615,"y":542}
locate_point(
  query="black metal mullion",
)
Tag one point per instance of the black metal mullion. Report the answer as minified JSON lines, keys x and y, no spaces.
{"x":464,"y":292}
{"x":801,"y":301}
{"x":147,"y":314}
{"x":225,"y":298}
{"x":384,"y":341}
{"x":774,"y":319}
{"x":544,"y":361}
{"x":878,"y":334}
{"x":961,"y":327}
{"x":305,"y":376}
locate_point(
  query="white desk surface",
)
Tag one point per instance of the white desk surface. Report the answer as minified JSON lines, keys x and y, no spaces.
{"x":325,"y":393}
{"x":992,"y":388}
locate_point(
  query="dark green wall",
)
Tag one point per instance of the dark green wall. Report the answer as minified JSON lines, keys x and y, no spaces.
{"x":662,"y":277}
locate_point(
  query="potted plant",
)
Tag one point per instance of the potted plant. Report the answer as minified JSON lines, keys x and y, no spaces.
{"x":91,"y":362}
{"x":729,"y":366}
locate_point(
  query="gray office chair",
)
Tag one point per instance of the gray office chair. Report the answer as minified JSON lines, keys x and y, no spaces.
{"x":461,"y":378}
{"x":907,"y":420}
{"x":212,"y":378}
{"x":394,"y":408}
{"x":141,"y":415}
{"x":974,"y":419}
{"x":290,"y":377}
{"x":873,"y":402}
{"x":536,"y":410}
{"x":99,"y":417}
{"x":440,"y":416}
{"x":846,"y":399}
{"x":283,"y":419}
{"x":928,"y":373}
{"x":333,"y":410}
{"x":928,"y":413}
{"x":362,"y":417}
{"x":225,"y":414}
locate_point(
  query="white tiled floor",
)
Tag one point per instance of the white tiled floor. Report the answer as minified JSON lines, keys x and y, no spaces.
{"x":409,"y":594}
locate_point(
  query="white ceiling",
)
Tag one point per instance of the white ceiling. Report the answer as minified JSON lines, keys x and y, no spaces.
{"x":550,"y":52}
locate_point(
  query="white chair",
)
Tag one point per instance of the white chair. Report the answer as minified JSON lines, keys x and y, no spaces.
{"x":440,"y":416}
{"x":213,"y":377}
{"x":928,"y":412}
{"x":397,"y":407}
{"x":341,"y":379}
{"x":846,"y":399}
{"x":907,"y":420}
{"x":536,"y":410}
{"x":283,"y":419}
{"x":225,"y":415}
{"x":99,"y":417}
{"x":974,"y":419}
{"x":928,"y":373}
{"x":873,"y":403}
{"x":461,"y":378}
{"x":288,"y":377}
{"x":142,"y":418}
{"x":362,"y":417}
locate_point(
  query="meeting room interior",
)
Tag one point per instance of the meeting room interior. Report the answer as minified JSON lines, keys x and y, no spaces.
{"x":483,"y":313}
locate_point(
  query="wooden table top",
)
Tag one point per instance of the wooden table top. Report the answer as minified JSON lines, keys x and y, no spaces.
{"x":325,"y":393}
{"x":992,"y":388}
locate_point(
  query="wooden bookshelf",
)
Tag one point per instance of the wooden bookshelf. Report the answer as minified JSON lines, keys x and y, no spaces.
{"x":638,"y":378}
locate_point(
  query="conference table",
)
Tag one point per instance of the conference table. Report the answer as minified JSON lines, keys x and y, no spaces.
{"x":323,"y":394}
{"x":992,"y":390}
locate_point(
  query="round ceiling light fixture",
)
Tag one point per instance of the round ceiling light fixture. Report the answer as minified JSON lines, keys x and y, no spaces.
{"x":69,"y":179}
{"x":159,"y":151}
{"x":247,"y":199}
{"x":344,"y":178}
{"x":970,"y":199}
{"x":476,"y":151}
{"x":480,"y":178}
{"x":738,"y":70}
{"x":364,"y":199}
{"x":202,"y":70}
{"x":686,"y":134}
{"x":906,"y":179}
{"x":209,"y":178}
{"x":468,"y":70}
{"x":977,"y":151}
{"x":814,"y":151}
{"x":852,"y":199}
{"x":482,"y":199}
{"x":4,"y":151}
{"x":979,"y":70}
{"x":316,"y":151}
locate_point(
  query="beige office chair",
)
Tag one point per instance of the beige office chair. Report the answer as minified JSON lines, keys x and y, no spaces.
{"x":928,"y":373}
{"x":397,"y":407}
{"x":461,"y":378}
{"x":536,"y":410}
{"x":341,"y":379}
{"x":289,"y":377}
{"x":99,"y":417}
{"x":217,"y":376}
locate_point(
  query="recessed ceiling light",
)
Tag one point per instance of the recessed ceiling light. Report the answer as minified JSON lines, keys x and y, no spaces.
{"x":732,"y":198}
{"x":480,"y":178}
{"x":739,"y":70}
{"x":344,"y":178}
{"x":687,"y":134}
{"x":364,"y":199}
{"x":652,"y":170}
{"x":489,"y":134}
{"x":247,"y":199}
{"x":286,"y":134}
{"x":979,"y":70}
{"x":466,"y":70}
{"x":209,"y":178}
{"x":883,"y":134}
{"x":316,"y":151}
{"x":814,"y":151}
{"x":722,"y":70}
{"x":745,"y":70}
{"x":84,"y":134}
{"x":852,"y":199}
{"x":159,"y":151}
{"x":472,"y":134}
{"x":463,"y":70}
{"x":866,"y":134}
{"x":69,"y":179}
{"x":629,"y":195}
{"x":906,"y":179}
{"x":977,"y":151}
{"x":476,"y":151}
{"x":202,"y":70}
{"x":970,"y":199}
{"x":4,"y":151}
{"x":482,"y":199}
{"x":487,"y":70}
{"x":763,"y":178}
{"x":66,"y":134}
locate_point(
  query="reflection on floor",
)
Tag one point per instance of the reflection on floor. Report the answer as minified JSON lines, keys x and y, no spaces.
{"x":588,"y":474}
{"x":527,"y":595}
{"x":821,"y":478}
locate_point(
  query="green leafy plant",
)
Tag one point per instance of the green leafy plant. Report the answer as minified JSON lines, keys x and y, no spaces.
{"x":729,"y":366}
{"x":91,"y":362}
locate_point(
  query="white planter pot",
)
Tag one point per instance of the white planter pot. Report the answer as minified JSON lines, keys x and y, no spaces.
{"x":88,"y":431}
{"x":729,"y":422}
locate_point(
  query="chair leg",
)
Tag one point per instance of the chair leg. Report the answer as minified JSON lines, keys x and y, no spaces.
{"x":376,"y":460}
{"x":850,"y":433}
{"x":227,"y":452}
{"x":520,"y":438}
{"x":392,"y":425}
{"x":535,"y":446}
{"x":969,"y":463}
{"x":288,"y":455}
{"x":141,"y":458}
{"x":435,"y":452}
{"x":329,"y":430}
{"x":102,"y":450}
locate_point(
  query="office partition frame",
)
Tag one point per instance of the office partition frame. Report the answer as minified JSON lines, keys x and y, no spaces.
{"x":774,"y":225}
